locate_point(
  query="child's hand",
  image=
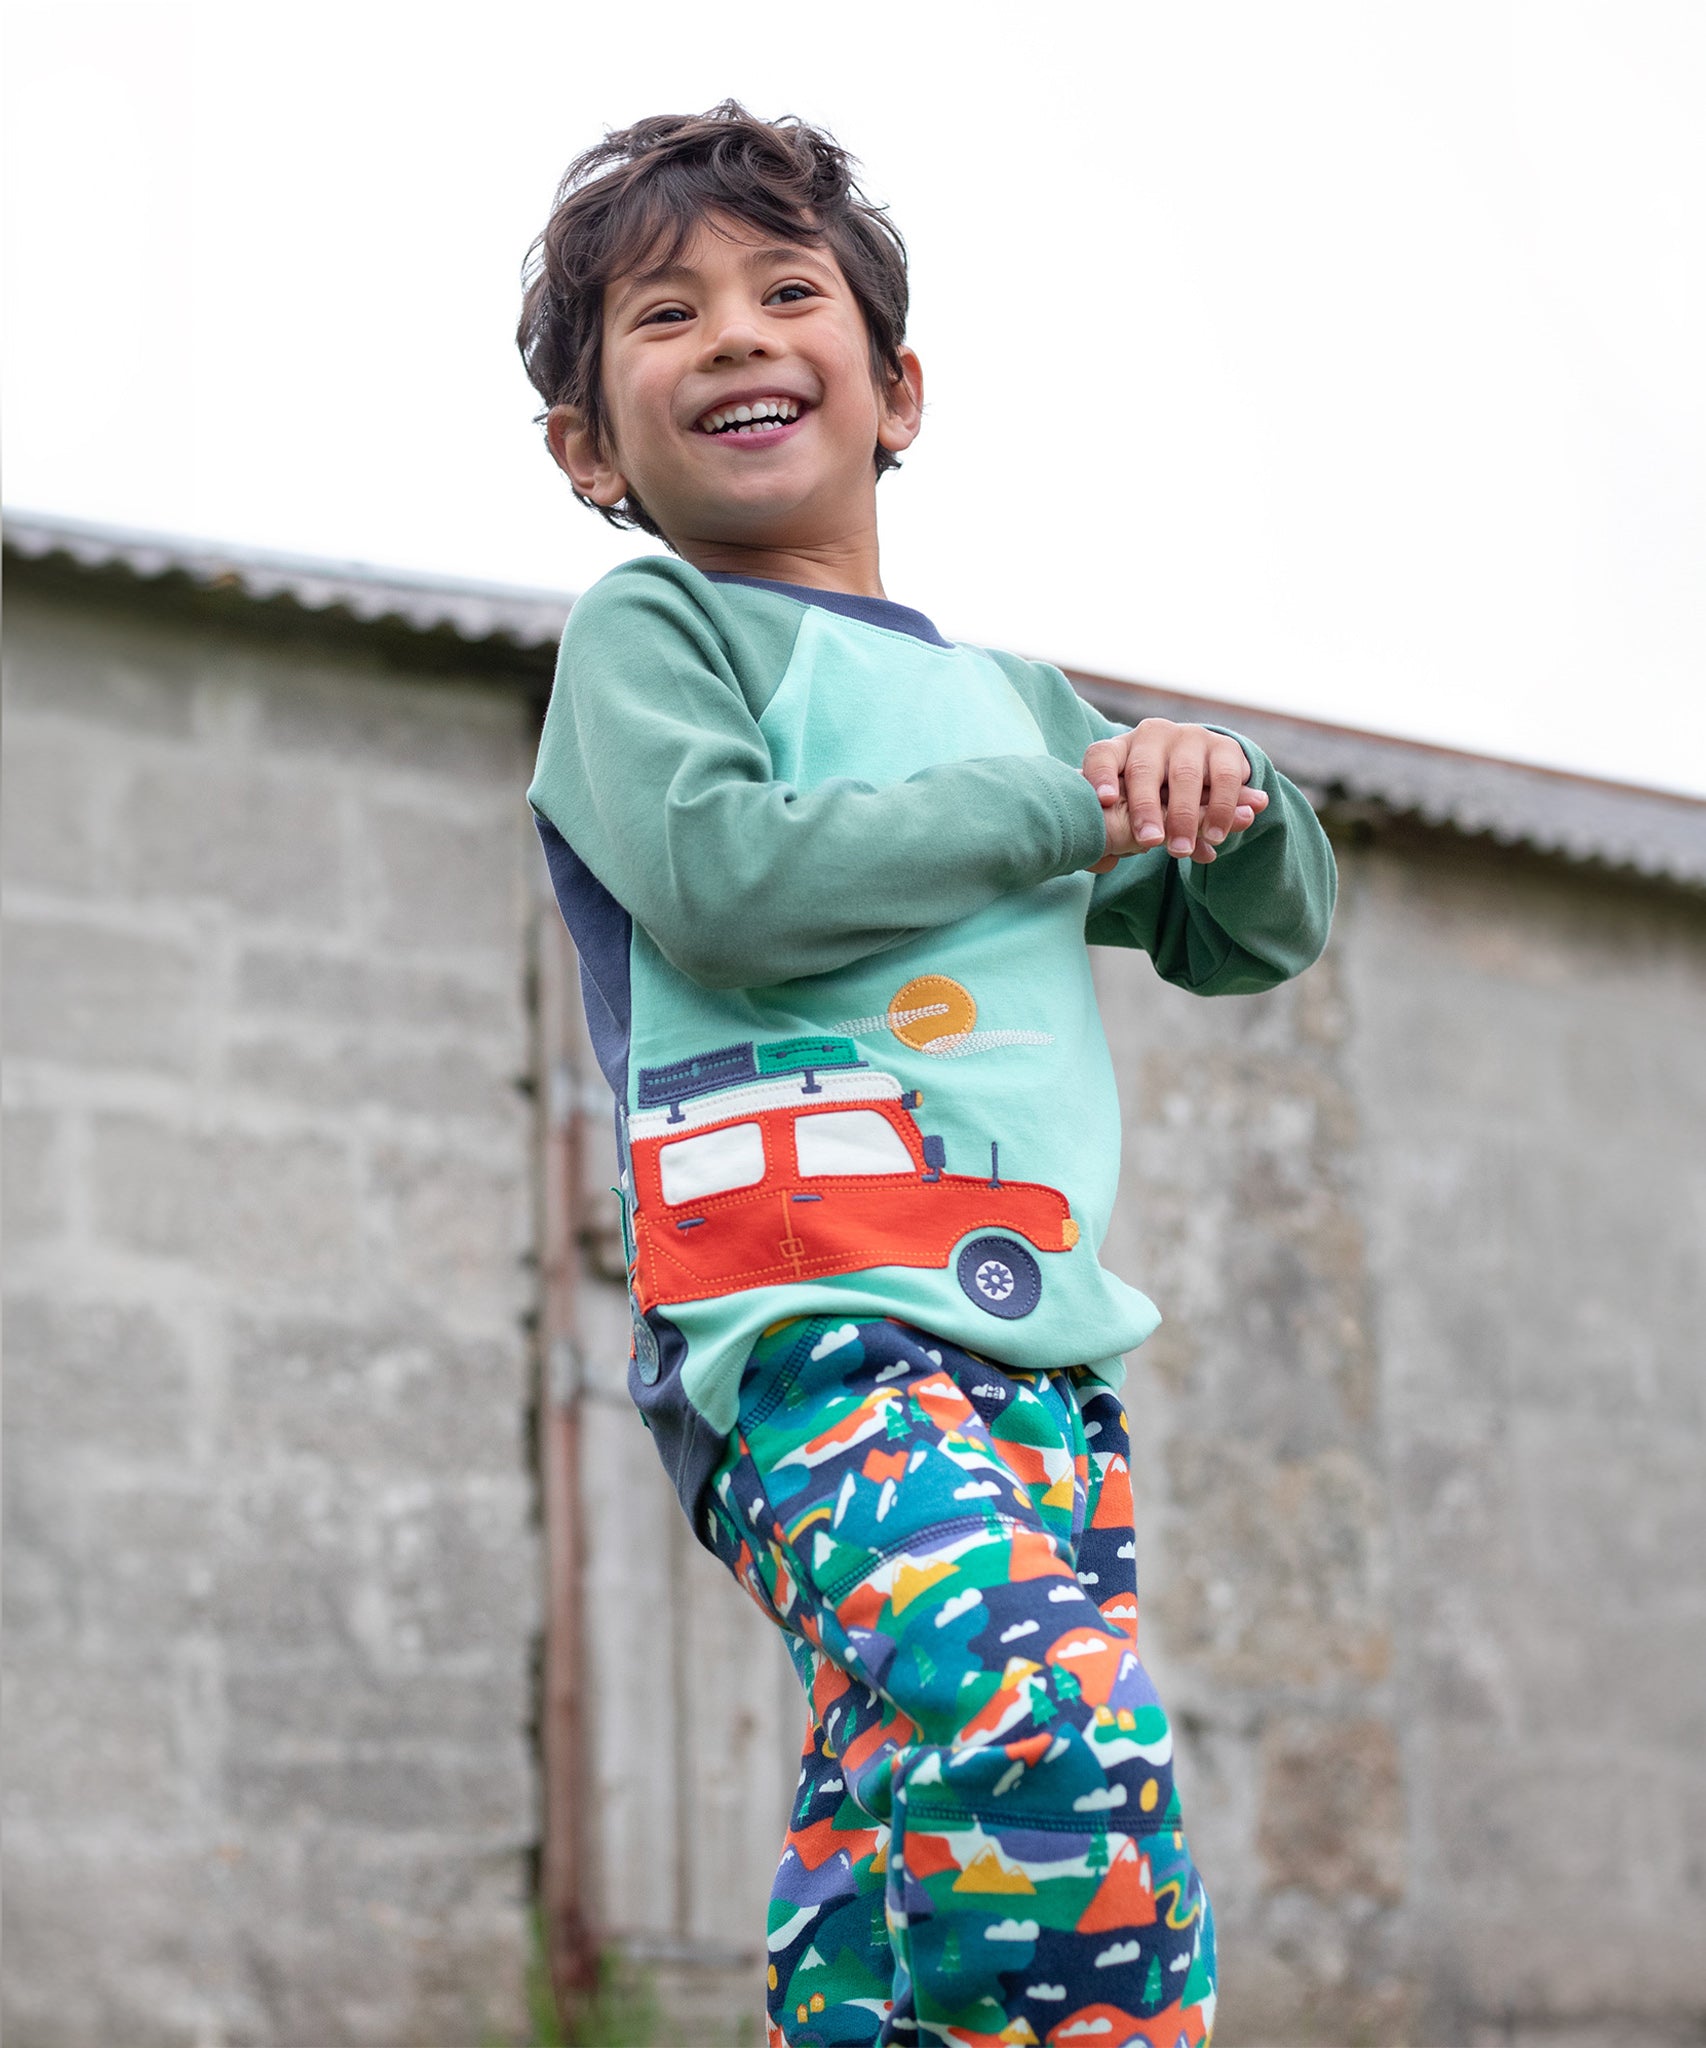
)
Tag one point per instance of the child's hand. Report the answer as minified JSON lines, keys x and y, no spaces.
{"x":1178,"y":783}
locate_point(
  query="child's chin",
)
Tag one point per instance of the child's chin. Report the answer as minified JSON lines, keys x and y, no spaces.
{"x":755,"y":515}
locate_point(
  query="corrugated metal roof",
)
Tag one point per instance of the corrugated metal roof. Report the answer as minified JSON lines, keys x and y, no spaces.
{"x":1653,"y":832}
{"x":474,"y":611}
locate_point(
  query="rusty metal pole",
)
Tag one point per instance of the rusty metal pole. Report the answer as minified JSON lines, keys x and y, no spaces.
{"x":571,"y":1938}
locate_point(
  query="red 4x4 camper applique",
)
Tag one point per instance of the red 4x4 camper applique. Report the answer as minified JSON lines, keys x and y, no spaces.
{"x":756,"y":1165}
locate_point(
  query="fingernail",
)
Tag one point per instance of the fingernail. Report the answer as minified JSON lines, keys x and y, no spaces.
{"x":1107,"y":791}
{"x":1243,"y":815}
{"x":1180,"y":845}
{"x":1148,"y":835}
{"x":1215,"y":834}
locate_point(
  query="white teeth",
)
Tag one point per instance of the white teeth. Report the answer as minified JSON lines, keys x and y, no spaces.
{"x":738,"y":416}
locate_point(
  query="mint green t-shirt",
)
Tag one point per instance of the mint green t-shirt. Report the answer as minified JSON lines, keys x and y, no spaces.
{"x":827,"y":876}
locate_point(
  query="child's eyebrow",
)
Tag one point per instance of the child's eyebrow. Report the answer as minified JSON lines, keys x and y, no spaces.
{"x":677,"y":272}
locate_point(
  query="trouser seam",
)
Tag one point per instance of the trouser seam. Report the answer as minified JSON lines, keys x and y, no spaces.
{"x":956,"y":1817}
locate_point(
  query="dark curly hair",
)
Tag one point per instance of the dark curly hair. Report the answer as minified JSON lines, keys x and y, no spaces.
{"x":640,"y":194}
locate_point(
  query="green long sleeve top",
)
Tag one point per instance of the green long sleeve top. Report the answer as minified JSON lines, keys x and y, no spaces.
{"x":827,"y":876}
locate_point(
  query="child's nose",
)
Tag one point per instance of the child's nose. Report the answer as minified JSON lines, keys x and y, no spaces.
{"x":737,"y":340}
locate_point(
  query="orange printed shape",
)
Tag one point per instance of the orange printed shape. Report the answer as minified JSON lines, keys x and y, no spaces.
{"x":862,"y":1607}
{"x":943,"y":1402}
{"x":829,"y":1682}
{"x":816,"y":1844}
{"x":928,"y":1855}
{"x":1032,"y":1555}
{"x":1094,"y":1659}
{"x":1124,"y":1898}
{"x":1097,"y":2024}
{"x":868,"y":1741}
{"x":1114,"y":1508}
{"x":881,"y":1465}
{"x":1025,"y":1462}
{"x":1125,"y":1622}
{"x":953,"y":1010}
{"x":1165,"y":2029}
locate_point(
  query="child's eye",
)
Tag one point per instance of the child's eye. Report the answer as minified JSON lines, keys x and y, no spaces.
{"x":787,"y":294}
{"x":663,"y":314}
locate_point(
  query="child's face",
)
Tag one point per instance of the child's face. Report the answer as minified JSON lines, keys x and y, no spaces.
{"x":737,"y":321}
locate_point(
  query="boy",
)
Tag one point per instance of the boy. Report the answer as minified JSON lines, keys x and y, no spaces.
{"x":832,"y":879}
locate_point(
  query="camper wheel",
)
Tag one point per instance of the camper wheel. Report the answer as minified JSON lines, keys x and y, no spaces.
{"x":1000,"y":1276}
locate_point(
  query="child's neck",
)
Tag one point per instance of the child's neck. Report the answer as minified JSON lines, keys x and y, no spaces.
{"x":849,"y":566}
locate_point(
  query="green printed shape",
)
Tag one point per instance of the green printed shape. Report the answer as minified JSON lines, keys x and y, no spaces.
{"x":795,"y":1055}
{"x":1200,"y":1980}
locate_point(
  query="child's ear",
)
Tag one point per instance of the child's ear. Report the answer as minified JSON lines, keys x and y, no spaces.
{"x":902,"y":405}
{"x":577,"y":452}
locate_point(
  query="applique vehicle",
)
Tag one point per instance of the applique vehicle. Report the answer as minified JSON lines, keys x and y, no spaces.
{"x":754,"y":1165}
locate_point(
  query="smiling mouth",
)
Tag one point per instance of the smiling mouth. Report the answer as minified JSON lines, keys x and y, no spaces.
{"x":758,"y":417}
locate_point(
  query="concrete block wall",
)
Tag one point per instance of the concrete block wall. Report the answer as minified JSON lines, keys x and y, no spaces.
{"x":1420,"y":1454}
{"x":271,"y":1563}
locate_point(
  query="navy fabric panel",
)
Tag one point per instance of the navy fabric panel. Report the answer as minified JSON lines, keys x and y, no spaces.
{"x":690,"y":1448}
{"x":874,"y":611}
{"x":603,"y":932}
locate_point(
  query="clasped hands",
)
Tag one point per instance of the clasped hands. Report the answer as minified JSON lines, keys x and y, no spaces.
{"x":1181,"y":784}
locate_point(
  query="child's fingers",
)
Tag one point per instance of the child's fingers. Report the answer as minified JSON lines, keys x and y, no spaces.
{"x":1251,"y":802}
{"x":1144,"y":766}
{"x":1102,"y":763}
{"x":1184,"y":799}
{"x":1228,"y":775}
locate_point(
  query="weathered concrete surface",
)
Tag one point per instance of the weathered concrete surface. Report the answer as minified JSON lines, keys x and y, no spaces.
{"x":1420,"y":1450}
{"x":271,"y":1583}
{"x":1420,"y":1453}
{"x":1528,"y":1059}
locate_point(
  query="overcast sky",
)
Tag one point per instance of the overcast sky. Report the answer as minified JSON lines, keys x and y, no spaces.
{"x":1339,"y":358}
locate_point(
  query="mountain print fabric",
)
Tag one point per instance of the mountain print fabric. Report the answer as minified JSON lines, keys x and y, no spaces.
{"x":986,"y":1846}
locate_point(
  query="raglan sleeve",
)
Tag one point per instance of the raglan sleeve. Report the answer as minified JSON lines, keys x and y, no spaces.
{"x":1253,"y":917}
{"x":652,"y":767}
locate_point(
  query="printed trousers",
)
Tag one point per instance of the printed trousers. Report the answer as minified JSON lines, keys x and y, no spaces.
{"x":986,"y":1846}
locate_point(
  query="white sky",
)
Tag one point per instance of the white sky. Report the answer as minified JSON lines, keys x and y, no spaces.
{"x":1341,"y":358}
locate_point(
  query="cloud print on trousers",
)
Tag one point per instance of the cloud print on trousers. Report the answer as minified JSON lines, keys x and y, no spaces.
{"x":961,"y":1603}
{"x":1100,"y":1800}
{"x":1121,"y":1952}
{"x":1081,"y":2027}
{"x":833,"y":1340}
{"x":1049,"y":1993}
{"x":1012,"y":1930}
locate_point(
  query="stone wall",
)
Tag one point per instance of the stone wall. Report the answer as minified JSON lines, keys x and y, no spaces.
{"x":1420,"y":1453}
{"x":271,"y":1572}
{"x":1420,"y":1450}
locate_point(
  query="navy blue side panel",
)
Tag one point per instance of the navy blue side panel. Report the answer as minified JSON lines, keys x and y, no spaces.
{"x":874,"y":611}
{"x":690,"y":1448}
{"x":602,"y":931}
